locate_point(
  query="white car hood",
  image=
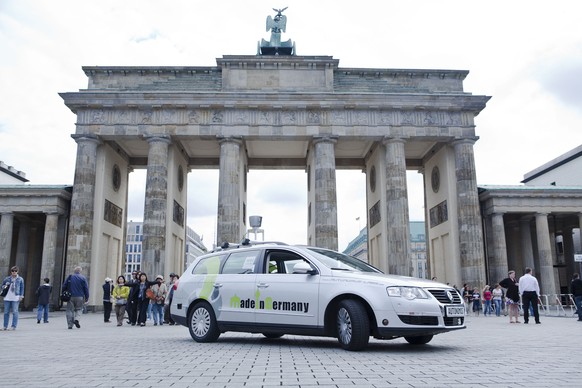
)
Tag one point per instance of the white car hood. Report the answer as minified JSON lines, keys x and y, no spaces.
{"x":389,"y":280}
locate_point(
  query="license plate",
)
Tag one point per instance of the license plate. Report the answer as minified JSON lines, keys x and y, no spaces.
{"x":455,"y":311}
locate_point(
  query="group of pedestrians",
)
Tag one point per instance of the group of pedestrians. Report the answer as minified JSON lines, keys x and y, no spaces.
{"x":136,"y":296}
{"x":526,"y":289}
{"x":133,"y":297}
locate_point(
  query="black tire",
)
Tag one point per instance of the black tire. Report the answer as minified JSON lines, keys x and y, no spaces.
{"x":202,"y":323}
{"x":273,"y":335}
{"x":353,"y":325}
{"x":419,"y":340}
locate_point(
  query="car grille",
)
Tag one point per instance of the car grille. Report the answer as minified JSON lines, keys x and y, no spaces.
{"x":419,"y":320}
{"x":441,"y":295}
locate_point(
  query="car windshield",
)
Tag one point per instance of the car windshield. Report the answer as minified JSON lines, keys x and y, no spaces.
{"x":339,"y":261}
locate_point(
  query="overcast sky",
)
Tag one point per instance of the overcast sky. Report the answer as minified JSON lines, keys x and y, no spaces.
{"x":527,"y":55}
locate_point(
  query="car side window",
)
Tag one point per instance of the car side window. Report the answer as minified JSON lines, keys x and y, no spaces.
{"x":208,"y":266}
{"x":282,"y":262}
{"x":240,"y":263}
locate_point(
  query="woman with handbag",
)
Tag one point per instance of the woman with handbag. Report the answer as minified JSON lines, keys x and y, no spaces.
{"x":120,"y":294}
{"x":13,"y":286}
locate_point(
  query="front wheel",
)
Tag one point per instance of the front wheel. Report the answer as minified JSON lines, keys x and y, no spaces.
{"x":419,"y":340}
{"x":202,"y":323}
{"x":273,"y":335}
{"x":353,"y":325}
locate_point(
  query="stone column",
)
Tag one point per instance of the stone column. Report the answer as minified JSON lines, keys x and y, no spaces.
{"x":82,"y":205}
{"x":23,"y":246}
{"x":155,"y":207}
{"x":397,"y":217}
{"x":229,"y":191}
{"x":526,"y":245}
{"x":49,"y":247}
{"x":546,"y":271}
{"x":325,"y":204}
{"x":469,"y":217}
{"x":499,"y":266}
{"x":6,"y":230}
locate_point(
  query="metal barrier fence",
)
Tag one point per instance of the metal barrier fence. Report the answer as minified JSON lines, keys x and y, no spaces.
{"x":557,"y":304}
{"x":548,"y":305}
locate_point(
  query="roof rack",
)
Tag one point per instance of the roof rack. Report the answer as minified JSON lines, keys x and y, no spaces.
{"x":244,"y":243}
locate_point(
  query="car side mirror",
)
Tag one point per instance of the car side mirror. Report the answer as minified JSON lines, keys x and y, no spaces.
{"x":303,"y":268}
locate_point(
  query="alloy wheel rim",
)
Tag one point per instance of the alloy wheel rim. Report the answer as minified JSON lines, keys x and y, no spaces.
{"x":344,"y":323}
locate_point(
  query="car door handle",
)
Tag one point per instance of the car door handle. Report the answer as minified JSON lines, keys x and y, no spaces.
{"x":262,"y":285}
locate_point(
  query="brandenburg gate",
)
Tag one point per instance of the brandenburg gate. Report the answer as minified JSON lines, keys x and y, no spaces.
{"x":275,"y":111}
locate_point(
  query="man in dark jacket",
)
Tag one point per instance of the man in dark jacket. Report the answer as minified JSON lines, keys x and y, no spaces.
{"x":43,"y":294}
{"x":576,"y":289}
{"x":79,"y":288}
{"x":132,"y":300}
{"x":107,"y":305}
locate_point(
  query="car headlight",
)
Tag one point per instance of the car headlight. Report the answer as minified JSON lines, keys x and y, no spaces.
{"x":409,"y":293}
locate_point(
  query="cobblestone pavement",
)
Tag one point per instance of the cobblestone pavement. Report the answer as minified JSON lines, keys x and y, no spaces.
{"x":489,"y":353}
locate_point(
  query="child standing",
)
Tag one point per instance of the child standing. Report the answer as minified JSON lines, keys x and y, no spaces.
{"x":43,"y":293}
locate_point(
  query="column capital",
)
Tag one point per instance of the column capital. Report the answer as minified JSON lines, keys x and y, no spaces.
{"x":81,"y":138}
{"x":325,"y":139}
{"x":465,"y":140}
{"x":393,"y":139}
{"x":230,"y":139}
{"x":155,"y":138}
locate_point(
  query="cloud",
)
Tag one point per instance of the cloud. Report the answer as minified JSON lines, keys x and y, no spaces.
{"x":562,"y":78}
{"x":153,"y":35}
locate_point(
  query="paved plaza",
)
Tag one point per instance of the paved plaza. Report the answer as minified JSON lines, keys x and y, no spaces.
{"x":489,"y":353}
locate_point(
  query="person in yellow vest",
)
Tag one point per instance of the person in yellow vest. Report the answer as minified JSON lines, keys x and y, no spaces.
{"x":120,"y":294}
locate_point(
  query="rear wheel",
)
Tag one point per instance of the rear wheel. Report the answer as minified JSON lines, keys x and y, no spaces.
{"x":419,"y":340}
{"x":353,"y":325}
{"x":202,"y":323}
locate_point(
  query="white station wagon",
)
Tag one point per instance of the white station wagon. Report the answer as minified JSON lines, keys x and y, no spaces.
{"x":277,"y":289}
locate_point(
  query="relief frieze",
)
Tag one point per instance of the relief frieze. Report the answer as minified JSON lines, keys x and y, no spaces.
{"x":123,"y":117}
{"x":453,"y":118}
{"x":313,"y":117}
{"x":145,"y":117}
{"x":386,"y":118}
{"x":338,"y":117}
{"x":169,"y":116}
{"x":217,"y":117}
{"x":241,"y":117}
{"x":429,"y":118}
{"x":265,"y":117}
{"x":289,"y":118}
{"x":113,"y":213}
{"x":419,"y":118}
{"x":194,"y":117}
{"x":361,"y":118}
{"x":98,"y":116}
